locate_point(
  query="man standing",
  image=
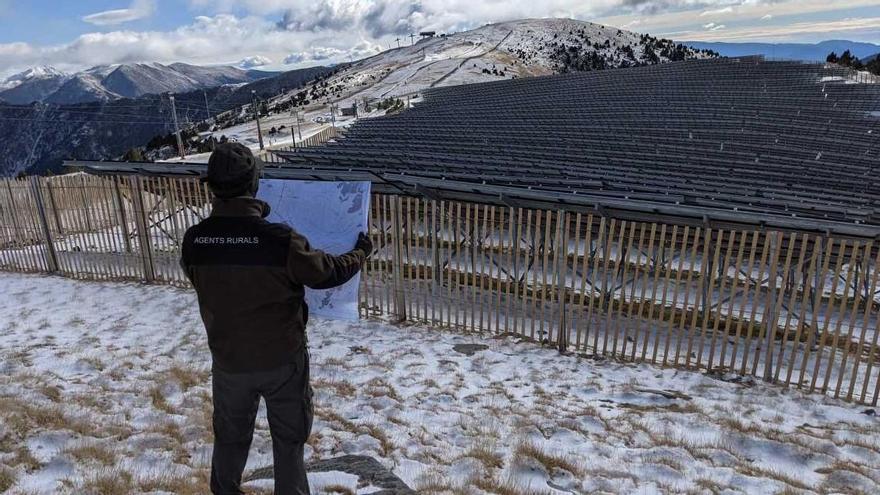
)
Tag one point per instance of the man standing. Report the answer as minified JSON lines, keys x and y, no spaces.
{"x":249,"y":275}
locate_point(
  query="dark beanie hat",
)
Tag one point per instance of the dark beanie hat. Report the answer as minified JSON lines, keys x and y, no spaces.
{"x":233,"y":171}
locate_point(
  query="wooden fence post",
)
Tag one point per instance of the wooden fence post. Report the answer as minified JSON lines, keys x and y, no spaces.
{"x":140,"y":217}
{"x":436,"y":269}
{"x":123,"y":220}
{"x":51,"y":255}
{"x":397,"y":259}
{"x":561,"y":276}
{"x":54,"y":206}
{"x":771,"y":316}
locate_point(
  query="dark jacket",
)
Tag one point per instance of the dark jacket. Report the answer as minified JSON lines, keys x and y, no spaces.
{"x":249,"y":276}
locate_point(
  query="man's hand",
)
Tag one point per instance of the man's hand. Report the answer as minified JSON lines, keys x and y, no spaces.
{"x":364,"y":244}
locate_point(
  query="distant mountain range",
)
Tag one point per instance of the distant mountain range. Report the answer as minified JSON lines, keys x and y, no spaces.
{"x":37,"y":137}
{"x":106,"y":83}
{"x":812,"y":52}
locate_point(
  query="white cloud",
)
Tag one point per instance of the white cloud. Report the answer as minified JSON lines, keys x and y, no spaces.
{"x":308,"y":32}
{"x":683,"y":22}
{"x":139,"y":9}
{"x":766,"y":17}
{"x":254,"y":61}
{"x":725,"y":10}
{"x":814,"y":31}
{"x":222,"y":38}
{"x":322,"y":54}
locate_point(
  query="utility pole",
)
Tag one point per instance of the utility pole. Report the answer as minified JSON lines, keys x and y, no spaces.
{"x":257,"y":115}
{"x":295,"y":113}
{"x":412,"y":39}
{"x":333,"y":115}
{"x":177,"y":129}
{"x":207,"y":110}
{"x":398,"y":42}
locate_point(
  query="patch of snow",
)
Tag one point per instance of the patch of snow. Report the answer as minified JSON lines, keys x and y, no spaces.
{"x":128,"y":364}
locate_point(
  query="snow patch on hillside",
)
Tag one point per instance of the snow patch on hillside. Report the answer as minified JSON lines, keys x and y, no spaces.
{"x":107,"y":384}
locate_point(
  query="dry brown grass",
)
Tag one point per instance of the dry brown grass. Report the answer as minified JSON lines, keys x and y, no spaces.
{"x":51,"y":392}
{"x":340,"y":362}
{"x":340,"y":388}
{"x":375,"y":431}
{"x":790,"y":491}
{"x":665,"y":460}
{"x":436,"y":484}
{"x":92,"y":452}
{"x":86,"y":400}
{"x":484,"y":453}
{"x":399,"y":421}
{"x":343,"y":490}
{"x":550,"y":461}
{"x":196,"y":483}
{"x":109,"y":481}
{"x":492,"y":484}
{"x":23,"y":458}
{"x":94,"y":362}
{"x":204,"y":416}
{"x":170,"y":429}
{"x":76,"y":321}
{"x":157,"y":398}
{"x":707,"y":485}
{"x":378,"y":387}
{"x":840,"y":466}
{"x":674,"y":407}
{"x":750,"y":469}
{"x":187,"y":377}
{"x":337,"y":421}
{"x":24,"y":417}
{"x":7,"y":479}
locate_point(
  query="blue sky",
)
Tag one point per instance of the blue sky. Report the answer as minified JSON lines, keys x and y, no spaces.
{"x":289,"y":33}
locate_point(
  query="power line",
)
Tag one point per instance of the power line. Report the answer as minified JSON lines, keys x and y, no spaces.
{"x":108,"y":114}
{"x":66,"y":121}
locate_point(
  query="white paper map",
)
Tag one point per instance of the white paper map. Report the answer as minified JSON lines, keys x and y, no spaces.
{"x":330,"y":215}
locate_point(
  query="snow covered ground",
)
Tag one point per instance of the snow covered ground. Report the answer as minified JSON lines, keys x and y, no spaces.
{"x":104,"y":388}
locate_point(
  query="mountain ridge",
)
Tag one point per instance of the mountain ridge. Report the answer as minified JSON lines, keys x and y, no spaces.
{"x":46,"y":84}
{"x":811,"y":52}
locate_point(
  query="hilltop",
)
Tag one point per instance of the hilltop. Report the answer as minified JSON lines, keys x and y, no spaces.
{"x":507,"y":50}
{"x":515,"y":49}
{"x":523,"y":48}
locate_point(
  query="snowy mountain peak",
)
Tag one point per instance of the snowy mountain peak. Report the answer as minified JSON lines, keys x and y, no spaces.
{"x":504,"y":50}
{"x":109,"y":82}
{"x":33,"y":73}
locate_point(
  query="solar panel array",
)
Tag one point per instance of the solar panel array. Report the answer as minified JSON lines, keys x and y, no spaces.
{"x":742,"y":137}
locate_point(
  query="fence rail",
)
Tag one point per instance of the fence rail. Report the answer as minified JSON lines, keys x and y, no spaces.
{"x":317,"y":139}
{"x":798,"y":309}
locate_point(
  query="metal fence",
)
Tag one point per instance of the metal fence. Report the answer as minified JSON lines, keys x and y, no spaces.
{"x":798,"y":309}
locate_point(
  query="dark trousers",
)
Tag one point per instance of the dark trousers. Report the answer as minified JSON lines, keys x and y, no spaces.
{"x":289,"y":410}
